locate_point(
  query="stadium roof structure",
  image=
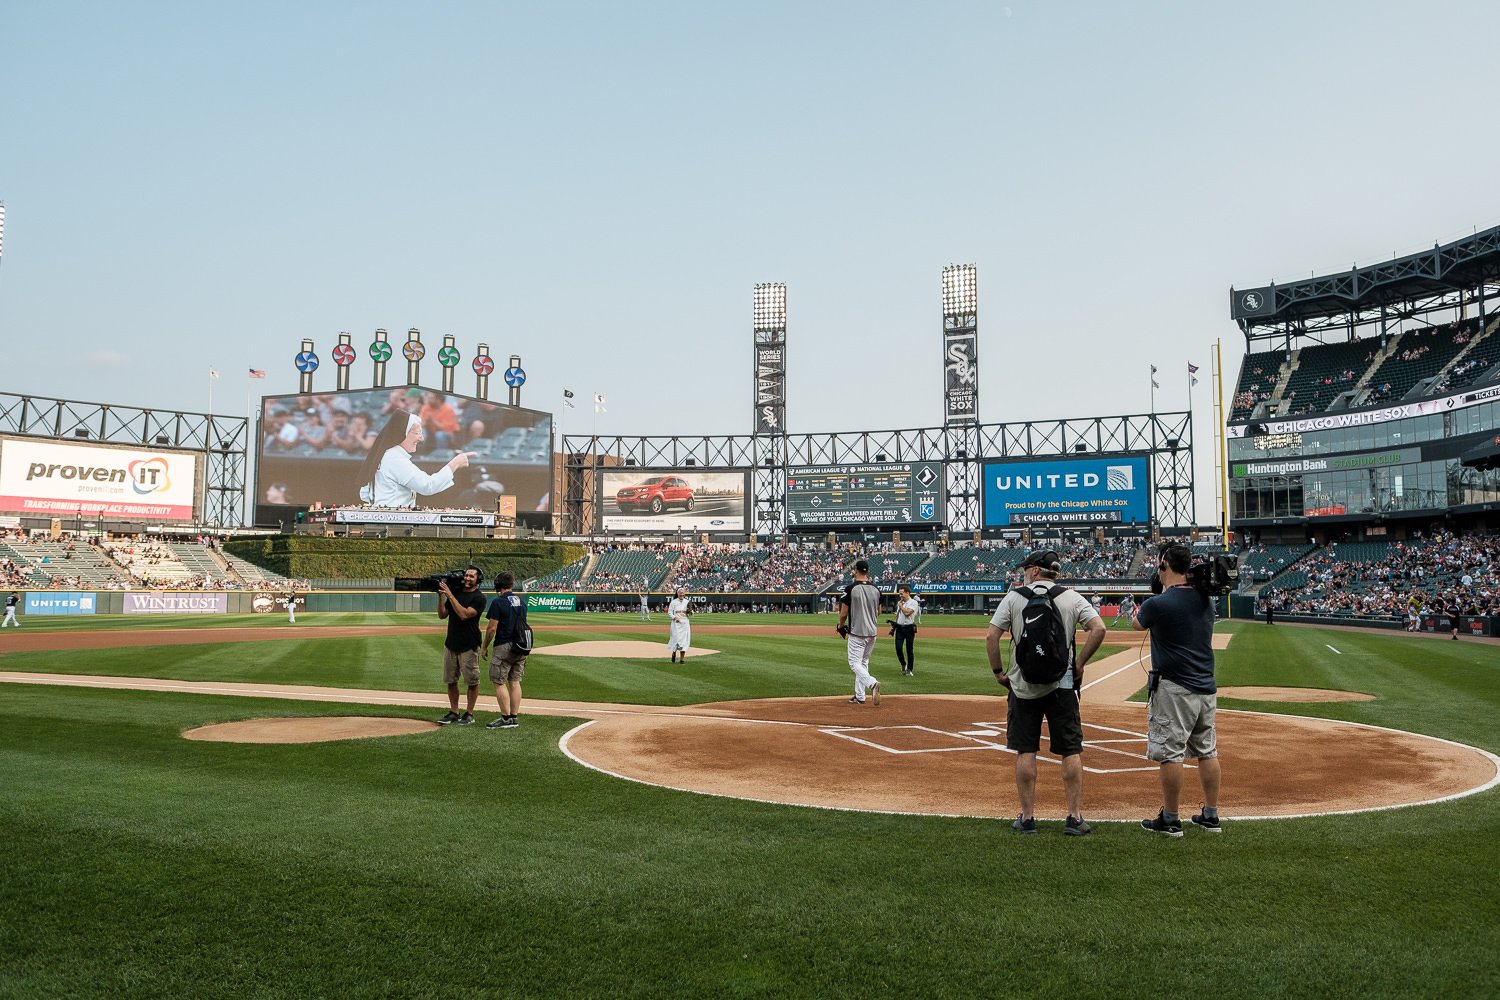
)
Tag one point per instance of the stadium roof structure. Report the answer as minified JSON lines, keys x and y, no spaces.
{"x":1449,"y":276}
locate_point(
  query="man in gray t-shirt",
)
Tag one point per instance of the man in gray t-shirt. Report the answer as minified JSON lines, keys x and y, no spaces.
{"x":858,"y":610}
{"x":1028,"y":703}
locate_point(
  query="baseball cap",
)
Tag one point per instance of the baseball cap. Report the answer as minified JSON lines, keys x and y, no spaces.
{"x":1043,"y":559}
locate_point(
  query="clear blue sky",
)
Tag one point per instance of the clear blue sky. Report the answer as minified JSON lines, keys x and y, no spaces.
{"x":598,"y":186}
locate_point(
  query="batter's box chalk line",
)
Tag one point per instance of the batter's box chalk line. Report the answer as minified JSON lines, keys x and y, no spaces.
{"x":991,"y":736}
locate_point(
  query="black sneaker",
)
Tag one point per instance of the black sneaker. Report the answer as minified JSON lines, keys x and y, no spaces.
{"x":1024,"y":825}
{"x":855,"y":701}
{"x":449,"y":718}
{"x":496,"y":723}
{"x":1076,"y":827}
{"x":510,"y":722}
{"x":1203,"y":822}
{"x":1160,"y":824}
{"x":465,"y":720}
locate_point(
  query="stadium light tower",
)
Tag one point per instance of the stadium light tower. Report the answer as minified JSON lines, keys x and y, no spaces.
{"x":768,"y":315}
{"x":961,"y":393}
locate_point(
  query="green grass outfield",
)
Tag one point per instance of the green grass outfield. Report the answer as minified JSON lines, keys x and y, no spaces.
{"x":470,"y":862}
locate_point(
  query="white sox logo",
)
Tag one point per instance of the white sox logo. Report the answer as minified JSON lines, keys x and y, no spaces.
{"x":1253,"y":300}
{"x":961,"y":367}
{"x":768,"y":417}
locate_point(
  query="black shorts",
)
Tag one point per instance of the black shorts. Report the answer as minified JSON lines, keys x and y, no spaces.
{"x":1023,"y":723}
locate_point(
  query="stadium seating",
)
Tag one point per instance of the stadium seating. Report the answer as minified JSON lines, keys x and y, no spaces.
{"x":1266,"y":561}
{"x":629,"y":570}
{"x":1419,"y":354}
{"x":1324,"y":371}
{"x":564,"y":579}
{"x":970,"y":562}
{"x":1258,"y":377}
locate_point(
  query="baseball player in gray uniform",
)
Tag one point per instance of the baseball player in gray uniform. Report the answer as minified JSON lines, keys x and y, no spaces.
{"x":858,"y":610}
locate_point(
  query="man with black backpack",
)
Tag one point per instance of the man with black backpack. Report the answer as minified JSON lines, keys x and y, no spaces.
{"x":1045,"y":678}
{"x":507,"y":623}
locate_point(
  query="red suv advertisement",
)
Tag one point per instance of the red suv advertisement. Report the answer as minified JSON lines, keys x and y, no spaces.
{"x":655,"y":494}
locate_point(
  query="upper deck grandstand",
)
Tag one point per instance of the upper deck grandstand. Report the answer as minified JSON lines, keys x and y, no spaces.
{"x":1361,"y":392}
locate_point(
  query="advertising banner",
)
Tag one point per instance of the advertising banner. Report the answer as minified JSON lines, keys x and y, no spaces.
{"x":316,"y":447}
{"x":176,"y":602}
{"x":1329,"y":463}
{"x":551,"y":602}
{"x":672,"y":500}
{"x":59,"y":603}
{"x":888,"y":493}
{"x":359,"y":515}
{"x":1361,"y":418}
{"x":1067,"y":491}
{"x":266,"y":604}
{"x":52,"y":478}
{"x":770,"y":388}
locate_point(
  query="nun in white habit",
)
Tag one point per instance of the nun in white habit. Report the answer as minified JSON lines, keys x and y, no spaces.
{"x":391,"y":478}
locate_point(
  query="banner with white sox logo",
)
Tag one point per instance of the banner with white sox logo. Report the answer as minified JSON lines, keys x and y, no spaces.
{"x":960,"y":369}
{"x":770,"y":388}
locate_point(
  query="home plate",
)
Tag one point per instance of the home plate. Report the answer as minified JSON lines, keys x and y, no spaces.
{"x":620,"y":649}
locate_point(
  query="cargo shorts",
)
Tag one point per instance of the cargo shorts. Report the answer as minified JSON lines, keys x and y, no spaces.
{"x":465,"y":663}
{"x":504,"y":668}
{"x":1180,"y":723}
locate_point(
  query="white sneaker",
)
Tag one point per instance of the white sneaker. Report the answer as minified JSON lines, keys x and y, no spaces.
{"x":874,"y":692}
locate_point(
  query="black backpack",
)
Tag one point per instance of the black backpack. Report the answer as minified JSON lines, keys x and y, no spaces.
{"x":521,"y":639}
{"x":1043,"y":648}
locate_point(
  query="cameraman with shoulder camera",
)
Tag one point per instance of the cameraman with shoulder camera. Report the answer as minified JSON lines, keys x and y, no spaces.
{"x":461,"y":647}
{"x":1184,"y":694}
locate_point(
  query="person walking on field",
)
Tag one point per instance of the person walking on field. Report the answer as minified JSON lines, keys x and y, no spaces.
{"x":680,"y":632}
{"x":10,"y":609}
{"x":291,"y":607}
{"x":645,"y":607}
{"x":858,"y":610}
{"x":506,"y":618}
{"x":908,"y":612}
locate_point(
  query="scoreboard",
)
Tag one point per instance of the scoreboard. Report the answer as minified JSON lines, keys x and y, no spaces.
{"x":887,"y":493}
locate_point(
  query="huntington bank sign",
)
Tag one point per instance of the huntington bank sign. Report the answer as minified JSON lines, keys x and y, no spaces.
{"x":1067,"y":491}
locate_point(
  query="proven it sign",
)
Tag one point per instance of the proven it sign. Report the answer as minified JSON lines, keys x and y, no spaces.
{"x":48,"y":477}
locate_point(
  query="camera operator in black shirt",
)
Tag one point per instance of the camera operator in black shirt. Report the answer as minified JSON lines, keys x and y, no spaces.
{"x":1184,"y":694}
{"x":461,"y":609}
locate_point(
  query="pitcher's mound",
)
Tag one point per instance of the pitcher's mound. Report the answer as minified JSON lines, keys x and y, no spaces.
{"x":307,"y":730}
{"x":1308,"y":695}
{"x":626,"y":649}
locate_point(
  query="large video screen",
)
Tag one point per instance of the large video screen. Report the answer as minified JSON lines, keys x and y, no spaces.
{"x":671,"y":500}
{"x":887,"y":493}
{"x":1067,"y":491}
{"x":315,"y":448}
{"x":54,"y":479}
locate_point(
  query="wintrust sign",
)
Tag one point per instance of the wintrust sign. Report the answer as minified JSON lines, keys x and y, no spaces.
{"x":48,"y":477}
{"x":176,"y":603}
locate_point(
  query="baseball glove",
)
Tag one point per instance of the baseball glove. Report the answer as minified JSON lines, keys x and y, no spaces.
{"x":843,"y":631}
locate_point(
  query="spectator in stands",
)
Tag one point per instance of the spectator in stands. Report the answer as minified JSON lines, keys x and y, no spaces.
{"x":361,"y":437}
{"x":314,"y":433}
{"x":439,"y":420}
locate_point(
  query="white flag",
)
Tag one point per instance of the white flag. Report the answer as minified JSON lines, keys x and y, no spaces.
{"x":213,"y":373}
{"x":1155,"y":384}
{"x":599,"y":403}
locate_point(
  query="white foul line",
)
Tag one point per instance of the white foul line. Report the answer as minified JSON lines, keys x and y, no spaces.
{"x":1330,"y":647}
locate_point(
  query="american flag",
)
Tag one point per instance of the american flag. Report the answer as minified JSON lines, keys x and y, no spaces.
{"x":257,"y":373}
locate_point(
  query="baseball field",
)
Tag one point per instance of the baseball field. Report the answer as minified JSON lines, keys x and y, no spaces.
{"x":560,"y":858}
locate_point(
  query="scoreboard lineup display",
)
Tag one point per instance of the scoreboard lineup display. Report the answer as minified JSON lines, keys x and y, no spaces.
{"x":893,"y":493}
